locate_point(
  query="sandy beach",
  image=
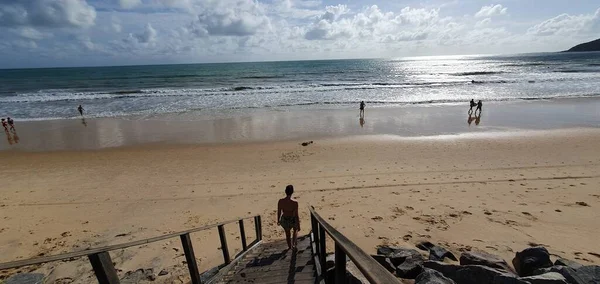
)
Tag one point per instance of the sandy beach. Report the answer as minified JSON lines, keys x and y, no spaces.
{"x":499,"y":192}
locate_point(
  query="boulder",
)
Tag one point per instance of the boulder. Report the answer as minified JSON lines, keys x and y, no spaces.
{"x":584,"y":275}
{"x":590,"y":273}
{"x":448,"y":270}
{"x":546,"y":278}
{"x":397,"y":255}
{"x":485,"y":259}
{"x":385,"y":262}
{"x":430,"y":276}
{"x":477,"y":274}
{"x":439,"y":253}
{"x":411,"y":267}
{"x":568,"y":263}
{"x":436,"y":253}
{"x":26,"y":278}
{"x":530,"y":259}
{"x":473,"y":274}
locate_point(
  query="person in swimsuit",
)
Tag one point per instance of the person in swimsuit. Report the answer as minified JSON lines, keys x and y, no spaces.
{"x":479,"y":107}
{"x":287,"y":217}
{"x":80,"y":109}
{"x":5,"y":125}
{"x":472,"y":105}
{"x":11,"y":123}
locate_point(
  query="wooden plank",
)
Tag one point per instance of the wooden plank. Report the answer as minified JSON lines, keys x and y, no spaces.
{"x":340,"y":265}
{"x":104,"y":268}
{"x":230,"y":268}
{"x":224,"y":248}
{"x":371,"y":269}
{"x":322,"y":249}
{"x":66,"y":256}
{"x":190,"y":257}
{"x":243,"y":236}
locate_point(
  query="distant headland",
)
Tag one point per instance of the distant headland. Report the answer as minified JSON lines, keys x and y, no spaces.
{"x":588,"y":46}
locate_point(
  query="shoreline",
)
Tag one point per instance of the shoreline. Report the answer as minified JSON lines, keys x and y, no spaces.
{"x":298,"y":124}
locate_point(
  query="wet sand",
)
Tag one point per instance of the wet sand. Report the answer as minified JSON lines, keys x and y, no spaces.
{"x":292,"y":124}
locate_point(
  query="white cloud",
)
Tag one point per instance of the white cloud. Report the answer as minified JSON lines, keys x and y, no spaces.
{"x":491,"y":11}
{"x":147,"y":36}
{"x":231,"y":18}
{"x":566,"y":24}
{"x":128,"y":4}
{"x":483,"y":23}
{"x":31,"y":33}
{"x":47,"y":13}
{"x":374,"y":24}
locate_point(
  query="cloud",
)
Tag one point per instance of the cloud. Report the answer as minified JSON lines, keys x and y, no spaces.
{"x":231,"y":18}
{"x":491,"y":11}
{"x":147,"y":36}
{"x":47,"y":13}
{"x":372,"y":23}
{"x":566,"y":24}
{"x":483,"y":23}
{"x":31,"y":33}
{"x":128,"y":4}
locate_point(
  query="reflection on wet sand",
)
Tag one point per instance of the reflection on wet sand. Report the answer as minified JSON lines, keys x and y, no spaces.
{"x":11,"y":136}
{"x":260,"y":126}
{"x":84,"y":122}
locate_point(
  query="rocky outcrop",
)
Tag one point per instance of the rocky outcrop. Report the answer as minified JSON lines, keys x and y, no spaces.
{"x":430,"y":276}
{"x":530,"y":259}
{"x":485,"y":259}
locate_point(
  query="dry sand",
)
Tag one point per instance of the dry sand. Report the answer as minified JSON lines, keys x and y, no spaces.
{"x":498,"y":193}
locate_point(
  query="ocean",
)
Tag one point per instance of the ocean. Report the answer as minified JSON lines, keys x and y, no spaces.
{"x":145,"y":91}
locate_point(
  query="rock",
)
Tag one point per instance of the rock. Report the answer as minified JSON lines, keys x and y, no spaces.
{"x":436,"y":252}
{"x":26,"y":278}
{"x":530,"y":259}
{"x":411,"y":267}
{"x":425,"y":245}
{"x":568,"y":263}
{"x":448,"y":270}
{"x":476,"y":274}
{"x":590,"y":273}
{"x":163,"y":272}
{"x":472,"y":274}
{"x":385,"y":262}
{"x":546,"y":278}
{"x":485,"y":259}
{"x":430,"y":276}
{"x":508,"y":279}
{"x":397,"y":255}
{"x":439,"y":253}
{"x":583,"y":275}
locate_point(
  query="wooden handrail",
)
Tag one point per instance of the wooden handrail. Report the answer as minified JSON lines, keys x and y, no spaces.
{"x":371,"y":269}
{"x":99,"y":256}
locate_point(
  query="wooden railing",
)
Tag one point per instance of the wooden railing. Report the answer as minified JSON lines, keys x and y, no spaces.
{"x":106,"y":273}
{"x":371,"y":269}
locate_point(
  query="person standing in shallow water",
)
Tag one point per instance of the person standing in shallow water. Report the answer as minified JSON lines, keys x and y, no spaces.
{"x":479,"y":106}
{"x":472,"y":105}
{"x":287,"y":217}
{"x":80,"y":109}
{"x":362,"y":109}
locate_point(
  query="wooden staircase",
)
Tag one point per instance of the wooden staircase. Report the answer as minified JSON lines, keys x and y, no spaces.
{"x":272,"y":263}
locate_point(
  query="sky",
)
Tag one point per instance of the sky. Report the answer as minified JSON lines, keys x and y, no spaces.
{"x":48,"y":33}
